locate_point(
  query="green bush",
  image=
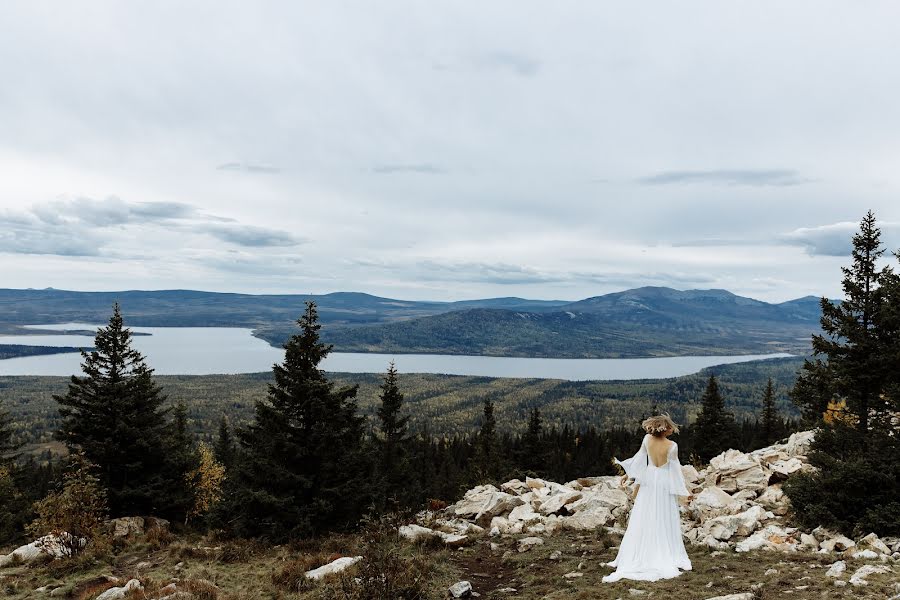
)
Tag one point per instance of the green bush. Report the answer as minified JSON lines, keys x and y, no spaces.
{"x":853,"y":491}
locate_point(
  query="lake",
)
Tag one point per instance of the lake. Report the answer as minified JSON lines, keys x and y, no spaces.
{"x":212,"y":350}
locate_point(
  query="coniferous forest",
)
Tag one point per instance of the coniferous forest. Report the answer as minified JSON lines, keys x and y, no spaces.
{"x":307,"y":460}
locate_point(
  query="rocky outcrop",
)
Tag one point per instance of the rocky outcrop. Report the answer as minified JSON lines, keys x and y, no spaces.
{"x":738,"y":504}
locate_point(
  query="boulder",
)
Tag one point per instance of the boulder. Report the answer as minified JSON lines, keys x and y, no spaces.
{"x":743,"y":596}
{"x":460,"y":589}
{"x":485,"y":502}
{"x":515,"y":487}
{"x":872,"y":542}
{"x":836,"y":569}
{"x":554,"y":504}
{"x":798,"y":444}
{"x":713,"y":502}
{"x":525,"y":514}
{"x":52,"y":546}
{"x":741,"y":524}
{"x":415,"y":533}
{"x":126,"y":526}
{"x":117,"y":593}
{"x":588,"y":519}
{"x":528,"y":543}
{"x":690,"y":474}
{"x":860,"y":575}
{"x":837,"y":544}
{"x":335,"y":566}
{"x":782,"y":469}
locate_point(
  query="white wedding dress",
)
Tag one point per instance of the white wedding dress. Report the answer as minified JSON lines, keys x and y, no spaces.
{"x":652,"y":547}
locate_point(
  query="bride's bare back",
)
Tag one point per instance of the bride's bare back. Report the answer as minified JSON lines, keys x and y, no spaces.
{"x":658,"y":450}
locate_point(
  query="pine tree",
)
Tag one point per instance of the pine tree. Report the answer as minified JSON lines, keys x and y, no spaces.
{"x":393,"y":442}
{"x":8,"y":446}
{"x":224,"y":448}
{"x":301,"y":468}
{"x":533,"y":447}
{"x":487,"y":460}
{"x":853,"y":361}
{"x":115,"y":415}
{"x":769,"y":418}
{"x":849,"y":391}
{"x":182,"y":460}
{"x":714,"y":430}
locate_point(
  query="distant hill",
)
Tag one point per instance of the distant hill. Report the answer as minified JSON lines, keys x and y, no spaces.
{"x":641,"y":322}
{"x":648,"y":321}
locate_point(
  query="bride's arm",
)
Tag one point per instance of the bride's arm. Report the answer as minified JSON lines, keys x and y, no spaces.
{"x":676,"y":476}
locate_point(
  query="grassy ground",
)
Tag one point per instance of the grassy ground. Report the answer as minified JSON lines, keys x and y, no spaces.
{"x":243,"y":570}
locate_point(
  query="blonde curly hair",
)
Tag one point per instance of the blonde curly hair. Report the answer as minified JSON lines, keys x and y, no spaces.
{"x":659,"y":424}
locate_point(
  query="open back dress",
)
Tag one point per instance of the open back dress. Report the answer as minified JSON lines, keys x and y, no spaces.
{"x":652,"y":547}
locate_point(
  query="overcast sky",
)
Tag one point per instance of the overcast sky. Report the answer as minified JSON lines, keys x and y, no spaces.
{"x":445,"y":150}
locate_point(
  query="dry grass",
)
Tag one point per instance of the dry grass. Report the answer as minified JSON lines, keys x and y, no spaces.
{"x":211,"y":569}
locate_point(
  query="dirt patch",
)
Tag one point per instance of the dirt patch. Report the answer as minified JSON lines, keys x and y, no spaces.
{"x":484,"y":570}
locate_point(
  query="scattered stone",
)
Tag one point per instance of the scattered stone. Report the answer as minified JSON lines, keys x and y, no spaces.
{"x":117,"y":593}
{"x":743,"y":596}
{"x":859,"y":577}
{"x":335,"y":566}
{"x":836,"y":569}
{"x":461,"y":589}
{"x":528,"y":543}
{"x":573,"y":575}
{"x":555,"y":555}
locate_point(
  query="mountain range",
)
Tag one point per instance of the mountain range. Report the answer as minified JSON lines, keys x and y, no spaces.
{"x":647,"y":321}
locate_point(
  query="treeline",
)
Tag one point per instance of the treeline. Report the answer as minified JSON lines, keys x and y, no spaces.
{"x":444,"y":405}
{"x":305,"y":463}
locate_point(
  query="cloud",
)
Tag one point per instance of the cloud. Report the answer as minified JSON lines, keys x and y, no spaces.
{"x":747,"y":177}
{"x":835,"y":239}
{"x":249,"y":168}
{"x":89,"y":227}
{"x":422,"y":168}
{"x":519,"y":64}
{"x":250,"y":236}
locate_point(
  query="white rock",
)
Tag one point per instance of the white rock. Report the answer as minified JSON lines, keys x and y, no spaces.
{"x":837,"y":544}
{"x":461,"y":589}
{"x":836,"y":569}
{"x":335,"y":566}
{"x":117,"y":593}
{"x":859,"y":577}
{"x":484,"y":502}
{"x":865,"y":554}
{"x":528,"y":543}
{"x":744,"y":596}
{"x":871,"y":541}
{"x":414,"y":533}
{"x":573,"y":575}
{"x":558,"y":502}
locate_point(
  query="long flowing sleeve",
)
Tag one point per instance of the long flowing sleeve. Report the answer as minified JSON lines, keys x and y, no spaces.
{"x":676,"y":476}
{"x":636,"y":466}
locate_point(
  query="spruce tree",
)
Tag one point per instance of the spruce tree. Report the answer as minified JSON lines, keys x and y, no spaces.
{"x":487,"y":460}
{"x":393,"y":443}
{"x":301,"y":470}
{"x":852,"y":361}
{"x":849,"y":391}
{"x":769,"y":420}
{"x":224,"y":449}
{"x":714,"y":430}
{"x":8,"y":446}
{"x":115,"y":415}
{"x":533,"y":449}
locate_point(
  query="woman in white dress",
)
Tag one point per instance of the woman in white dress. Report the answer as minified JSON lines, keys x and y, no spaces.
{"x":652,"y":547}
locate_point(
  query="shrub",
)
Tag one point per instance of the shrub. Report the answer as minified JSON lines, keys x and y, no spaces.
{"x":74,"y":514}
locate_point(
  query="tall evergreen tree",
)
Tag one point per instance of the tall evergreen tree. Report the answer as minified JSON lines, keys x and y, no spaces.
{"x":849,"y":390}
{"x":301,"y":468}
{"x":852,"y":359}
{"x":115,"y":415}
{"x":487,"y":459}
{"x":715,"y":429}
{"x":533,"y":448}
{"x":8,"y":446}
{"x":769,"y":419}
{"x":393,"y":443}
{"x":224,"y":448}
